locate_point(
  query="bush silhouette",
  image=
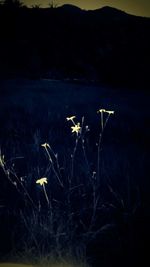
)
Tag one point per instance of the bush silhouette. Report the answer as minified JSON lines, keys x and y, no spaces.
{"x":12,"y":4}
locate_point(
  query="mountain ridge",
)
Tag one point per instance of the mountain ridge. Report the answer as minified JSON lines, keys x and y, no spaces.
{"x":102,"y":10}
{"x":105,"y":45}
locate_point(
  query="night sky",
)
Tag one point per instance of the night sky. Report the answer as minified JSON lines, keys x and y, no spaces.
{"x":136,"y":7}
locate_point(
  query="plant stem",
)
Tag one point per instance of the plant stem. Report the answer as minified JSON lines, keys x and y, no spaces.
{"x":46,"y":196}
{"x":53,"y":168}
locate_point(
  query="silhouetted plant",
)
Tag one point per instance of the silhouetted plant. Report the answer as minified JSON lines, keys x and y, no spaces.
{"x":53,"y":4}
{"x":36,"y":6}
{"x":12,"y":3}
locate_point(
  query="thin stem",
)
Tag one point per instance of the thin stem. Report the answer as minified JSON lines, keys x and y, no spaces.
{"x":56,"y":159}
{"x":73,"y":157}
{"x":95,"y":203}
{"x":53,"y":168}
{"x":103,"y":126}
{"x":83,"y":145}
{"x":29,"y":228}
{"x":98,"y":155}
{"x":46,"y":196}
{"x":102,"y":122}
{"x":11,"y":171}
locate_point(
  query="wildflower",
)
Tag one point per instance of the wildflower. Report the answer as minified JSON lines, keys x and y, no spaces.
{"x":111,"y":112}
{"x":105,"y":111}
{"x":2,"y":161}
{"x":42,"y":181}
{"x":70,"y":118}
{"x":76,"y":128}
{"x":101,"y":110}
{"x":45,"y":145}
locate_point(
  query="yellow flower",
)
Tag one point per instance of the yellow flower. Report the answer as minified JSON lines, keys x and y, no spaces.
{"x":105,"y":111}
{"x":101,"y":110}
{"x":42,"y":181}
{"x":110,"y":112}
{"x":76,"y":128}
{"x":2,"y":161}
{"x":45,"y":145}
{"x":70,"y":118}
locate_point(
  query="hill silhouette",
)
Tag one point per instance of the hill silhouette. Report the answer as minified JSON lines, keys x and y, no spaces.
{"x":110,"y":12}
{"x":70,"y":8}
{"x":105,"y":45}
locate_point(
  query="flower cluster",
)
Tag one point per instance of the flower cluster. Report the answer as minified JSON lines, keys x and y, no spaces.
{"x":76,"y":128}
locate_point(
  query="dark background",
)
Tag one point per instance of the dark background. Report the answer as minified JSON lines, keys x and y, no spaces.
{"x":105,"y":45}
{"x":57,"y":62}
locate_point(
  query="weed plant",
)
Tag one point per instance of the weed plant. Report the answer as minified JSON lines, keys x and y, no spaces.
{"x":62,"y":205}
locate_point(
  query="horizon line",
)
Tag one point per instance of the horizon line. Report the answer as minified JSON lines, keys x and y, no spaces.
{"x":85,"y":9}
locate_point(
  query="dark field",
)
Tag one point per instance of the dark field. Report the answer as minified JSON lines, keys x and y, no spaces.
{"x":34,"y":112}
